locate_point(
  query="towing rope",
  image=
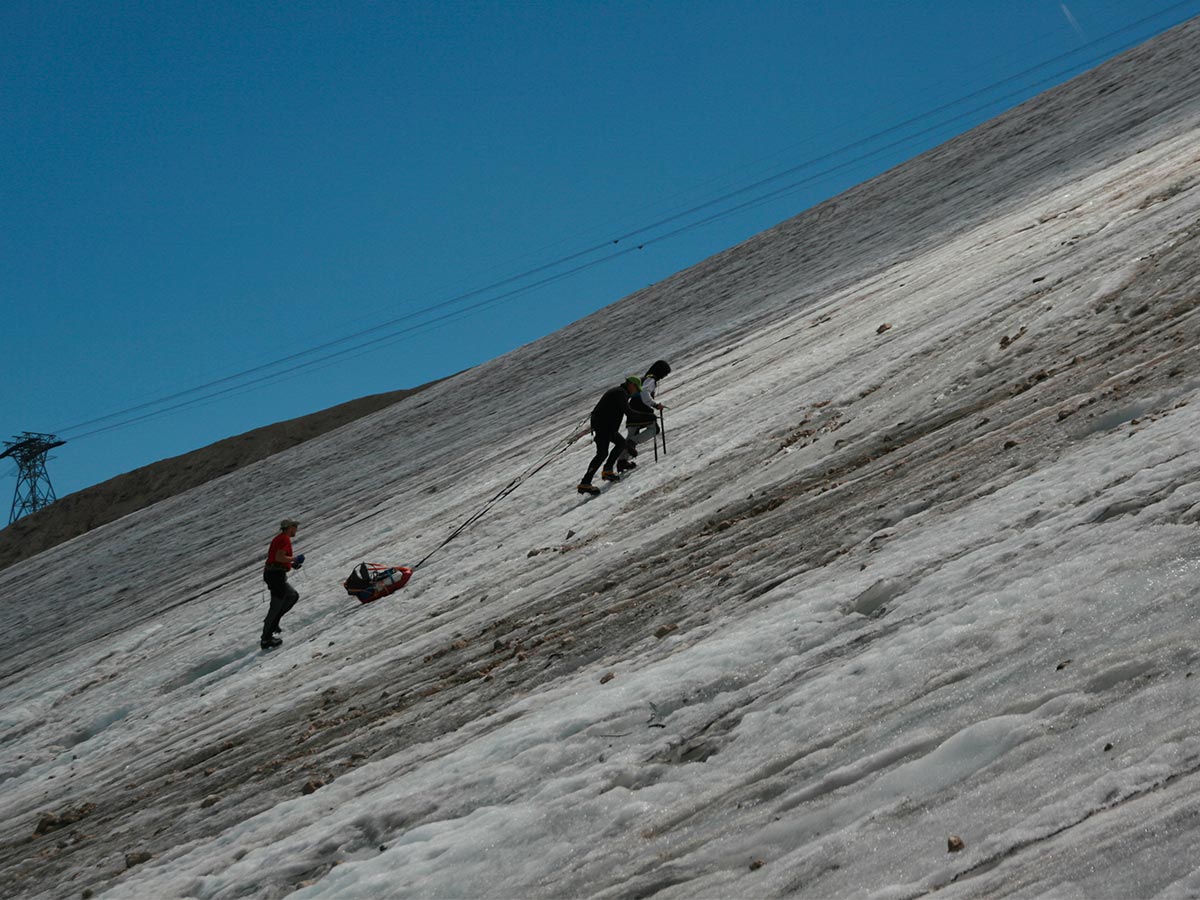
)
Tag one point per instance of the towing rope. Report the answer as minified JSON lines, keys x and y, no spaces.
{"x":505,"y":491}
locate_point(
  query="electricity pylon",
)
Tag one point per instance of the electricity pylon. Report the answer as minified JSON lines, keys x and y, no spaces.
{"x":34,"y":489}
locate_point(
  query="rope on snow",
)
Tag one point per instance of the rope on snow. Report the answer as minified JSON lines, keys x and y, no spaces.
{"x":505,"y":491}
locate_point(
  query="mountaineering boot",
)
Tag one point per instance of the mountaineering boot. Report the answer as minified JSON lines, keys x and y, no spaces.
{"x":624,"y":465}
{"x":610,"y":475}
{"x":277,"y":630}
{"x":586,"y":488}
{"x":270,"y":643}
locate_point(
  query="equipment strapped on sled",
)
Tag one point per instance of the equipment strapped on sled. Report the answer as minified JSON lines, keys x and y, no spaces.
{"x":370,"y":581}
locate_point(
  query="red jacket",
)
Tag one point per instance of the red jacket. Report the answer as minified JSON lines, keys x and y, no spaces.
{"x":280,"y":542}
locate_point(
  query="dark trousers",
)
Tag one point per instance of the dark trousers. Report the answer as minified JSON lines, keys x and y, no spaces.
{"x":603,"y":455}
{"x":283,"y":598}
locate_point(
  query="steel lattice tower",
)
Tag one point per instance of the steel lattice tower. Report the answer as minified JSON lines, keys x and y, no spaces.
{"x":34,"y":489}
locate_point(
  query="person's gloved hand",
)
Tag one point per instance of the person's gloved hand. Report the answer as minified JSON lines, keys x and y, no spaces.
{"x":297,"y":560}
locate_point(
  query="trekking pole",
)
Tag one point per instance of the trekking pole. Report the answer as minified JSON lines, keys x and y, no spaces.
{"x":662,"y":421}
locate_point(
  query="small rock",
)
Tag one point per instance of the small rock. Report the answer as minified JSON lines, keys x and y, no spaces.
{"x":1107,"y":747}
{"x":87,"y":894}
{"x":954,"y":843}
{"x":47,"y":823}
{"x":312,"y":785}
{"x":607,"y":677}
{"x":50,"y":821}
{"x":1062,"y":665}
{"x":1008,"y":445}
{"x":136,"y":859}
{"x":757,"y":864}
{"x":664,"y":630}
{"x":570,"y":534}
{"x":882,"y":328}
{"x":210,"y":800}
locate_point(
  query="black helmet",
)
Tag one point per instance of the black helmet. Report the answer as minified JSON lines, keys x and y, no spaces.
{"x":660,"y":369}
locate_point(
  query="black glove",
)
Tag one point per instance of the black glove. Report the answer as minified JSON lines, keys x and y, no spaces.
{"x":297,"y":560}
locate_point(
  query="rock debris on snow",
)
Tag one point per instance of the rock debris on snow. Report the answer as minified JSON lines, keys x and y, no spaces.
{"x":815,"y":706}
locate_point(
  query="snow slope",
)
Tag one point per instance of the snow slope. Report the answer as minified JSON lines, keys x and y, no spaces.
{"x":889,"y":585}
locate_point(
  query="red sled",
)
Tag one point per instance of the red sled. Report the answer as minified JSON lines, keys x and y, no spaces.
{"x":370,"y":581}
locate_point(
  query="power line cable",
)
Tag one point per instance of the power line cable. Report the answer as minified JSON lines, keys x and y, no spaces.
{"x":375,"y":339}
{"x":379,"y":339}
{"x":915,"y":120}
{"x":793,"y":186}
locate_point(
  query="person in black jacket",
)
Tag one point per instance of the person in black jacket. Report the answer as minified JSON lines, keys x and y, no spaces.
{"x":606,"y":430}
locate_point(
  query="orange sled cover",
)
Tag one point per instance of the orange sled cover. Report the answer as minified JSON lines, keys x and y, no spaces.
{"x":370,"y":581}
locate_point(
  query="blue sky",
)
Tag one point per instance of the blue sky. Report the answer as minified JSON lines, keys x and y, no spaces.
{"x":217,"y":216}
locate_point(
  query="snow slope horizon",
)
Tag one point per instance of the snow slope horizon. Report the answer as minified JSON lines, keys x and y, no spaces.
{"x":889,"y":584}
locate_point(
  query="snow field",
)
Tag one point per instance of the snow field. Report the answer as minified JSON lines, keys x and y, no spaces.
{"x":888,"y":585}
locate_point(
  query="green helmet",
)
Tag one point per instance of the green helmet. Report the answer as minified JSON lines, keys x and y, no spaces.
{"x":637,"y":382}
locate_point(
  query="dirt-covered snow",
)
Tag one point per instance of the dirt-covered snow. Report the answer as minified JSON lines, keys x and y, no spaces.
{"x":920,"y":563}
